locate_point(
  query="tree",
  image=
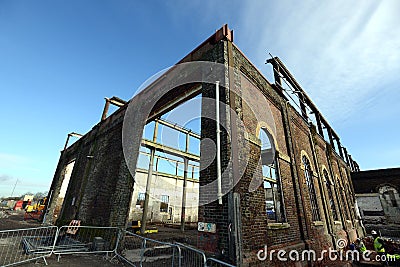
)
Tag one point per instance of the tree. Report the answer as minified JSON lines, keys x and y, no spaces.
{"x":40,"y":195}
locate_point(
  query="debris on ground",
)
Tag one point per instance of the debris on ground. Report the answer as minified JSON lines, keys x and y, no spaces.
{"x":4,"y":214}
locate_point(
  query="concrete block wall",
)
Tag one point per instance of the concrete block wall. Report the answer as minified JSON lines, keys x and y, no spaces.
{"x":378,"y":191}
{"x":172,"y":187}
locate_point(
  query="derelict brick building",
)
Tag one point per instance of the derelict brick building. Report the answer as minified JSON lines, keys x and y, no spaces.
{"x":294,"y":194}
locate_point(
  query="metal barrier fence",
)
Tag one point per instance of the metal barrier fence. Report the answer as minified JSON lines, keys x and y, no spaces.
{"x":192,"y":257}
{"x":211,"y":262}
{"x":141,"y":251}
{"x":23,"y":245}
{"x":86,"y":239}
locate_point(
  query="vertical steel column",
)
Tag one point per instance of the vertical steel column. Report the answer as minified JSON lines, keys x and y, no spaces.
{"x":302,"y":105}
{"x":331,"y":138}
{"x":319,"y":125}
{"x":187,"y":142}
{"x":66,"y":142}
{"x":155,"y":131}
{"x":352,"y":167}
{"x":148,"y":183}
{"x":347,"y":156}
{"x":277,"y":76}
{"x":105,"y":110}
{"x":147,"y":195}
{"x":183,"y":213}
{"x":340,"y":148}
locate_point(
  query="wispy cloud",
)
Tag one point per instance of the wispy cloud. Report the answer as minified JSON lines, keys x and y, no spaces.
{"x":342,"y":52}
{"x":5,"y":178}
{"x":16,"y":162}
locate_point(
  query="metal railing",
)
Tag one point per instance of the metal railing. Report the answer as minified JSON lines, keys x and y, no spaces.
{"x":86,"y":239}
{"x":192,"y":257}
{"x":141,"y":251}
{"x":23,"y":245}
{"x":211,"y":262}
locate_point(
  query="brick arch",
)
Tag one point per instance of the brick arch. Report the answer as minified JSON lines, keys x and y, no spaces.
{"x":304,"y":153}
{"x":379,"y":186}
{"x":269,"y":132}
{"x":324,"y":168}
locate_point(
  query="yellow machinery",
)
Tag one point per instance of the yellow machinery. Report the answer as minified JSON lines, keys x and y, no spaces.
{"x":136,"y":228}
{"x":38,"y":206}
{"x":35,"y":211}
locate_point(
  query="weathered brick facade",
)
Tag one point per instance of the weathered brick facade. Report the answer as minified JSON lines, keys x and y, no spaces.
{"x":101,"y":186}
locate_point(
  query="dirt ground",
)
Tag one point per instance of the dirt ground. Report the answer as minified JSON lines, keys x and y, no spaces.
{"x":172,"y":234}
{"x":77,"y":260}
{"x":10,"y":220}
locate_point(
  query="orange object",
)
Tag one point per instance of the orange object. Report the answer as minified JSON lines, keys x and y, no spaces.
{"x":73,"y":227}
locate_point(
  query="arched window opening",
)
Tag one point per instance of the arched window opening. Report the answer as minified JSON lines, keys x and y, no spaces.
{"x":272,"y":187}
{"x":311,"y":189}
{"x":343,"y":205}
{"x":330,"y":195}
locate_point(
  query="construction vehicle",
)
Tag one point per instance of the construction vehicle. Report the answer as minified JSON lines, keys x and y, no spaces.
{"x":35,"y":212}
{"x":136,"y":225}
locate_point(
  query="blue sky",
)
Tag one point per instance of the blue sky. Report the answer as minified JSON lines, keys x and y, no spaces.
{"x":59,"y":59}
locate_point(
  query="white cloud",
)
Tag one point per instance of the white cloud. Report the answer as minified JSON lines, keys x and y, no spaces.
{"x":342,"y":52}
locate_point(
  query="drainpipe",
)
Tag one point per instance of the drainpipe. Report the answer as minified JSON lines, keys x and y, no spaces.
{"x":219,"y":181}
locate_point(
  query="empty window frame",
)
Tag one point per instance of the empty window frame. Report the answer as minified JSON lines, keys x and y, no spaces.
{"x":140,"y":200}
{"x":308,"y":173}
{"x":272,"y":187}
{"x":164,"y":203}
{"x":343,"y":205}
{"x":273,"y":195}
{"x":330,"y":195}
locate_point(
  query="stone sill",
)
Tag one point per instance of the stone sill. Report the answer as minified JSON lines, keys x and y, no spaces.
{"x":337,"y":222}
{"x":318,"y":223}
{"x":277,"y":226}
